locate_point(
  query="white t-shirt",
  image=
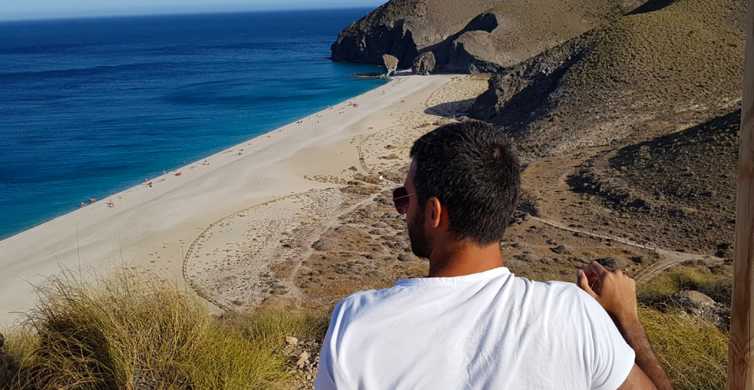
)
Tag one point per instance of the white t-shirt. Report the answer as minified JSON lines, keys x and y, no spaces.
{"x":489,"y":330}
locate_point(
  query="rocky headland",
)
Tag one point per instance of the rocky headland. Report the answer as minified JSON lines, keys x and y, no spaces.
{"x":471,"y":36}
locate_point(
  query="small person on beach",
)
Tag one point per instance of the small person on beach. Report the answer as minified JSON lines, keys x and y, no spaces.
{"x":471,"y":323}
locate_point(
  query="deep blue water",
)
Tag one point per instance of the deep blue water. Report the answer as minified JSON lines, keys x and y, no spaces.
{"x":90,"y":107}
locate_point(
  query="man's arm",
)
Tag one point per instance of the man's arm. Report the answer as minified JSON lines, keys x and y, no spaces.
{"x":616,"y":292}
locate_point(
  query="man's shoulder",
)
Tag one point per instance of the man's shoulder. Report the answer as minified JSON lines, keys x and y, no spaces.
{"x":557,"y":297}
{"x":554,"y":288}
{"x":360,"y":302}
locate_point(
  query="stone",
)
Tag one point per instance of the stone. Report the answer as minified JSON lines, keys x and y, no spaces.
{"x":701,"y":305}
{"x":405,"y":257}
{"x":694,"y":300}
{"x":290,"y":340}
{"x":610,"y":263}
{"x":303,"y":360}
{"x":323,"y":245}
{"x":561,"y":250}
{"x":425,"y":63}
{"x":638,"y":259}
{"x":391,"y":64}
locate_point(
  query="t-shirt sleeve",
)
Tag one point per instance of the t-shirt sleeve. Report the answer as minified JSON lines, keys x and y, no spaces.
{"x":611,"y":358}
{"x":328,"y":375}
{"x":325,"y":374}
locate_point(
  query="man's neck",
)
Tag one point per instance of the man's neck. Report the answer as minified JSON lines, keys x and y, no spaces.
{"x":464,"y":259}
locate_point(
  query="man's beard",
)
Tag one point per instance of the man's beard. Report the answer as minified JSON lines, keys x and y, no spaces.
{"x":419,"y":243}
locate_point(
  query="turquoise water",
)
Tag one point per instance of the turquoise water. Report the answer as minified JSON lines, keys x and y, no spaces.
{"x":90,"y":107}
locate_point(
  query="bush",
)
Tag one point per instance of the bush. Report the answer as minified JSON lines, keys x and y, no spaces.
{"x":693,"y":352}
{"x":126,"y":333}
{"x":658,"y":291}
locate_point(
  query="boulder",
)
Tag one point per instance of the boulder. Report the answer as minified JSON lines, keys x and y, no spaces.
{"x":391,"y":64}
{"x":425,"y":63}
{"x":694,"y":302}
{"x":701,"y":305}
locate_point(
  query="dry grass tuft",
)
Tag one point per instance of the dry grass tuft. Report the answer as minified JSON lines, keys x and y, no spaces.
{"x":692,"y":351}
{"x":126,"y":333}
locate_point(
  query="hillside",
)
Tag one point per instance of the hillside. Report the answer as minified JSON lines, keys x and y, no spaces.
{"x":678,"y":189}
{"x":471,"y":36}
{"x":641,"y":75}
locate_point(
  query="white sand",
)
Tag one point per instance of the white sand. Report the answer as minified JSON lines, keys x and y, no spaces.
{"x":152,"y":227}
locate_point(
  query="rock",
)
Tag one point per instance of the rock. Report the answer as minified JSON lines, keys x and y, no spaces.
{"x":405,"y":28}
{"x":323,"y":245}
{"x":390,"y":63}
{"x":701,"y":305}
{"x":517,"y":90}
{"x":473,"y":52}
{"x":695,"y":299}
{"x":561,"y":250}
{"x":405,"y":257}
{"x":303,"y":360}
{"x":290,"y":340}
{"x":724,"y":249}
{"x":388,"y":29}
{"x":638,"y":259}
{"x":610,"y":263}
{"x":425,"y":63}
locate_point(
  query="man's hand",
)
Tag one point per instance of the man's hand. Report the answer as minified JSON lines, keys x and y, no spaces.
{"x":614,"y":290}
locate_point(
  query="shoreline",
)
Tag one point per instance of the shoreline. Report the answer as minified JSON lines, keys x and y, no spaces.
{"x":150,"y":228}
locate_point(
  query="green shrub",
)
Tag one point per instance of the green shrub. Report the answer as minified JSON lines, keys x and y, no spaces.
{"x":659,"y":290}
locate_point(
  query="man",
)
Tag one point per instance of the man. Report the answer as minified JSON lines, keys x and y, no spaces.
{"x":472,"y":324}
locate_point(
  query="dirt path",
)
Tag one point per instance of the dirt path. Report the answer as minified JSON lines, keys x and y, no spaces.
{"x":546,"y":181}
{"x":195,"y":246}
{"x":668,"y":258}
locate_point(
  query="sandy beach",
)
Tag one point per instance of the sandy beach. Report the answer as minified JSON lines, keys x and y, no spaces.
{"x":208,"y":224}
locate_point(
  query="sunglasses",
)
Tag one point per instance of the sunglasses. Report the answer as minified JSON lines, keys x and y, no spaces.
{"x":401,"y":198}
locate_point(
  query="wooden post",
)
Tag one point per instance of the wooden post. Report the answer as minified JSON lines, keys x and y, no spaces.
{"x":740,"y":370}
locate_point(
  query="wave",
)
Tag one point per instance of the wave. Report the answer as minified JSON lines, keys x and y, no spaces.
{"x":39,"y":49}
{"x":90,"y":71}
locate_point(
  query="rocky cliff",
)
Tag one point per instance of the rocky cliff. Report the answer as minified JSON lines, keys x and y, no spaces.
{"x":473,"y":35}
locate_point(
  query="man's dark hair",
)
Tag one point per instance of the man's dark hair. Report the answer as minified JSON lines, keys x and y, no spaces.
{"x":471,"y":168}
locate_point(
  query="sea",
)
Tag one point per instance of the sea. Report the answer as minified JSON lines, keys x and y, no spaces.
{"x":89,"y":107}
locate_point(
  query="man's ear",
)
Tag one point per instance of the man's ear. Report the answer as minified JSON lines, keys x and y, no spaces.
{"x":434,"y":211}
